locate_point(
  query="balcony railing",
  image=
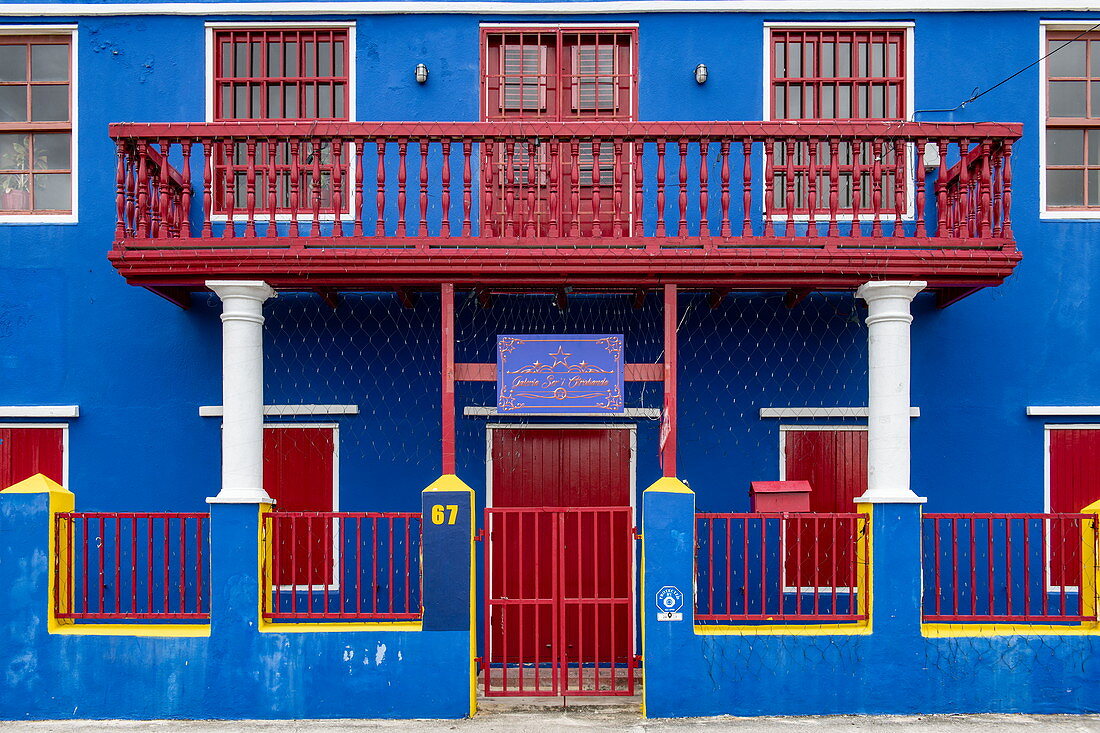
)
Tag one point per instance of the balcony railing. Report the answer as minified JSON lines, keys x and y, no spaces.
{"x":679,"y":191}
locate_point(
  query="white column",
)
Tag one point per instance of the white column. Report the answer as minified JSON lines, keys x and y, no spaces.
{"x":888,"y":349}
{"x":242,"y":390}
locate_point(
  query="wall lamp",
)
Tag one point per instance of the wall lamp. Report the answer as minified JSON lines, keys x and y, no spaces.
{"x":701,"y":73}
{"x":421,"y":73}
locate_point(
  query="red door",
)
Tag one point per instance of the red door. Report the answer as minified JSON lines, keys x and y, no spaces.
{"x":25,"y":451}
{"x":559,"y":558}
{"x":1074,"y":465}
{"x":835,"y":464}
{"x":298,"y":475}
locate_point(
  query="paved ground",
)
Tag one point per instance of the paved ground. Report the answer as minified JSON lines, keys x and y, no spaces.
{"x":546,"y":721}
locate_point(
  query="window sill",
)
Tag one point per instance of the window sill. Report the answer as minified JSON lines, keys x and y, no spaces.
{"x":1070,"y":215}
{"x":38,"y":219}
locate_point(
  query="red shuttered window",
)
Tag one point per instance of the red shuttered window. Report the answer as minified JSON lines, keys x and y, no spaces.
{"x":36,"y":125}
{"x":837,"y":74}
{"x":280,"y":74}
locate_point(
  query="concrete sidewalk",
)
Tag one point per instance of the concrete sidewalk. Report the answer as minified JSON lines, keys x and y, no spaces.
{"x":546,"y":721}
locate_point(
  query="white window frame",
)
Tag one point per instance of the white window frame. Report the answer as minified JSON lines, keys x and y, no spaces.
{"x":64,"y":428}
{"x":74,"y":152}
{"x":1044,"y":211}
{"x":335,"y":428}
{"x":910,"y":101}
{"x":208,"y":84}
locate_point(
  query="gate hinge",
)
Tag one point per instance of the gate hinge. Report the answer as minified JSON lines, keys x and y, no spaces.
{"x":479,"y":536}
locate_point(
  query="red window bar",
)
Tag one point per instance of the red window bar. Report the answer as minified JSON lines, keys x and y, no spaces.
{"x":1008,"y":567}
{"x":113,"y":566}
{"x":667,"y":181}
{"x":328,"y":566}
{"x":280,"y":74}
{"x":780,"y":567}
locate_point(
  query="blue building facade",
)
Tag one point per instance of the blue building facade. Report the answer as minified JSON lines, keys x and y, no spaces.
{"x":714,"y":183}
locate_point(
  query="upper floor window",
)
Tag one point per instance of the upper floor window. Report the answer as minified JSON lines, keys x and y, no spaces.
{"x":559,"y":74}
{"x":36,"y":125}
{"x":1073,"y":121}
{"x":280,"y":74}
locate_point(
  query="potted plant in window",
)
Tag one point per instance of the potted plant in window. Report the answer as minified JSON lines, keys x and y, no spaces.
{"x":15,"y":188}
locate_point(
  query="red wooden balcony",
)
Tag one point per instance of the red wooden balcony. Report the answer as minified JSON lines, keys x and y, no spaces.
{"x":795,"y":206}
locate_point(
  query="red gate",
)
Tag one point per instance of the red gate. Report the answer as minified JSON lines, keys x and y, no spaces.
{"x":559,"y":601}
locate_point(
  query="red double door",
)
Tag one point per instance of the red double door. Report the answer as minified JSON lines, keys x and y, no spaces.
{"x":559,"y":552}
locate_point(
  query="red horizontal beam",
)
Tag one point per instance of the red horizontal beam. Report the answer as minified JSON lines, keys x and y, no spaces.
{"x":468,"y":372}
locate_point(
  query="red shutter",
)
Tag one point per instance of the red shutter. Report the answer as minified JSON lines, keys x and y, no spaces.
{"x":1074,"y":484}
{"x":27,"y":451}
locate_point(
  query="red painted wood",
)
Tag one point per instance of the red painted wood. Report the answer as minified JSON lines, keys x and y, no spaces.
{"x":298,"y":476}
{"x":1074,"y":484}
{"x":27,"y":451}
{"x":835,"y":464}
{"x":668,"y":424}
{"x":566,"y":572}
{"x":447,"y":339}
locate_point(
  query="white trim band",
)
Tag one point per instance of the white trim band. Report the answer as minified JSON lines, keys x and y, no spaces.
{"x":801,"y":412}
{"x":643,"y":412}
{"x":40,"y":411}
{"x":354,"y":7}
{"x":287,"y":410}
{"x":1063,"y":410}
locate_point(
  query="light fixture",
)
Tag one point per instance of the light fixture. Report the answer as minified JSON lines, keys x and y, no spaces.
{"x":421,"y":73}
{"x":701,"y":73}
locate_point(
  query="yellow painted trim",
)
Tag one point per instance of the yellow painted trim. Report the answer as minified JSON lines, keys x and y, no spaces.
{"x":449,"y":482}
{"x":165,"y":631}
{"x":669,"y":485}
{"x":473,"y":609}
{"x":865,"y":560}
{"x":987,"y":630}
{"x":271,"y":627}
{"x":861,"y":628}
{"x":642,"y":621}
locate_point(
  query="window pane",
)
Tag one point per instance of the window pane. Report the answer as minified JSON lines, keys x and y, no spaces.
{"x":340,"y":110}
{"x":780,"y":59}
{"x":1094,"y":147}
{"x":13,"y":104}
{"x":13,"y":63}
{"x":324,"y":100}
{"x":1094,"y":188}
{"x":1065,"y":147}
{"x":52,"y":150}
{"x":13,"y":151}
{"x":50,"y":104}
{"x":274,"y":59}
{"x":1067,"y":99}
{"x":828,"y":50}
{"x":1094,"y":102}
{"x":339,"y":53}
{"x":324,"y":59}
{"x":1065,"y":188}
{"x":49,"y":63}
{"x":275,"y":101}
{"x":53,"y":191}
{"x":13,"y":194}
{"x":844,"y":59}
{"x":1094,"y":58}
{"x":1068,"y":59}
{"x":292,"y":58}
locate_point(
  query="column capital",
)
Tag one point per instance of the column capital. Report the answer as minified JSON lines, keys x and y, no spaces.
{"x":256,"y":290}
{"x":888,"y":300}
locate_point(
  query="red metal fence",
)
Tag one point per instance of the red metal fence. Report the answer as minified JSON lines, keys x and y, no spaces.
{"x":331,"y":566}
{"x":114,"y":566}
{"x":1009,"y":567}
{"x":780,"y":567}
{"x":419,"y":184}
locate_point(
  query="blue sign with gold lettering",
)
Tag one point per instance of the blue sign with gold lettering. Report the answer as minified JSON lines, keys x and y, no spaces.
{"x":568,"y":373}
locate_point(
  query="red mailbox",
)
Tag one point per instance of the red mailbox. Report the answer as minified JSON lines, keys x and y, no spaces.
{"x":779,"y":496}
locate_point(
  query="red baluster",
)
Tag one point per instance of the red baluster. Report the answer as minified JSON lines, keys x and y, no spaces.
{"x":788,"y":230}
{"x":185,"y":192}
{"x":704,"y":197}
{"x":358,"y":214}
{"x":660,"y":187}
{"x":422,"y":227}
{"x":467,"y":186}
{"x":834,"y":186}
{"x":985,"y":205}
{"x":899,"y":186}
{"x":682,"y":199}
{"x":131,"y":189}
{"x":402,"y":175}
{"x":552,"y":173}
{"x":858,"y":146}
{"x":272,"y":146}
{"x":746,"y":187}
{"x":315,"y":147}
{"x":380,"y":190}
{"x":445,"y":193}
{"x":1006,"y":184}
{"x":575,"y":188}
{"x":295,"y":181}
{"x":120,"y":191}
{"x":769,"y":186}
{"x":488,"y":173}
{"x":724,"y":229}
{"x":250,"y":188}
{"x":997,"y":215}
{"x":597,"y":225}
{"x":338,"y":187}
{"x":509,"y":187}
{"x":617,"y":191}
{"x":532,"y":188}
{"x":229,"y":188}
{"x":637,"y":229}
{"x":876,"y":187}
{"x":941,"y":191}
{"x":918,"y":187}
{"x":811,"y":189}
{"x":963,"y":216}
{"x":207,"y":187}
{"x":165,"y":190}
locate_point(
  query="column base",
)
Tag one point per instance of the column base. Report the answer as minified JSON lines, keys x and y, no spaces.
{"x":241,"y":496}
